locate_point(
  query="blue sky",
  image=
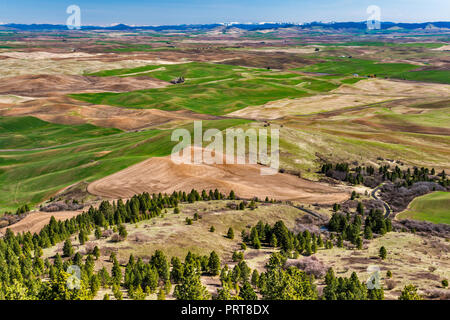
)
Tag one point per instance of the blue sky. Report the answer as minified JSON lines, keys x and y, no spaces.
{"x":159,"y":12}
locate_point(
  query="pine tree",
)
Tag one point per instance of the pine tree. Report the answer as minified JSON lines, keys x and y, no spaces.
{"x":98,"y":233}
{"x":382,"y":253}
{"x":116,"y":272}
{"x":320,"y":241}
{"x":122,"y":232}
{"x":359,"y":243}
{"x":177,"y":270}
{"x":368,"y":232}
{"x":246,"y":292}
{"x":191,"y":288}
{"x":161,"y":294}
{"x":273,"y":240}
{"x":314,"y":247}
{"x":410,"y":293}
{"x":360,"y":208}
{"x":254,"y":238}
{"x":68,"y":249}
{"x":82,"y":237}
{"x":255,"y":278}
{"x":230,"y":233}
{"x":214,"y":263}
{"x":340,"y":241}
{"x":96,"y":252}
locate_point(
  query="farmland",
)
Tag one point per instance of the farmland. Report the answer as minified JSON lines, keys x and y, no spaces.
{"x":431,"y":207}
{"x":88,"y":124}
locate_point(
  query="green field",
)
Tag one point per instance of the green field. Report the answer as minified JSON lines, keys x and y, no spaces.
{"x":439,"y":76}
{"x":32,"y":176}
{"x":417,"y":138}
{"x":210,"y":88}
{"x":347,"y":66}
{"x":30,"y":132}
{"x":433,"y":207}
{"x":429,"y":45}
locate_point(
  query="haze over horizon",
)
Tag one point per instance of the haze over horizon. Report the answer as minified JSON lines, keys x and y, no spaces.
{"x":169,"y":12}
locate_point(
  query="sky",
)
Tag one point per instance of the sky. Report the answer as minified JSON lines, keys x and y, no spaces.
{"x":166,"y":12}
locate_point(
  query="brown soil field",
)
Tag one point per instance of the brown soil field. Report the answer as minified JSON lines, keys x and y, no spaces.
{"x":162,"y":175}
{"x":58,"y":63}
{"x":395,"y":88}
{"x":64,"y":110}
{"x":287,"y":50}
{"x":362,"y":93}
{"x":308,"y":105}
{"x":44,"y":85}
{"x":36,"y":220}
{"x":443,"y":48}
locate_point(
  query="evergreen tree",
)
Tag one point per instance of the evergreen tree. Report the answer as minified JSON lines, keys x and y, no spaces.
{"x":246,"y":292}
{"x":214,"y":263}
{"x":82,"y":237}
{"x":191,"y":287}
{"x":230,"y":233}
{"x":255,"y":278}
{"x":96,"y":252}
{"x":161,"y":294}
{"x":382,"y":253}
{"x":368,"y":232}
{"x":177,"y":270}
{"x":273,"y":240}
{"x":122,"y":232}
{"x":359,"y":243}
{"x":98,"y":233}
{"x":409,"y":292}
{"x":116,"y":272}
{"x":68,"y":249}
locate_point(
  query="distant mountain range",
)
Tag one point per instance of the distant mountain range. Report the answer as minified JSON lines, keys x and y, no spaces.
{"x":248,"y":27}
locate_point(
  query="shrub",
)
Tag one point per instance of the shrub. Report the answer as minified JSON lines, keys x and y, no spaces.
{"x":382,"y":253}
{"x":230,"y":233}
{"x":311,"y":265}
{"x":116,"y":238}
{"x":390,"y":284}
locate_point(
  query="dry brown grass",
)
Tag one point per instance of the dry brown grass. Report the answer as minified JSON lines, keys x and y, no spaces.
{"x":409,"y":259}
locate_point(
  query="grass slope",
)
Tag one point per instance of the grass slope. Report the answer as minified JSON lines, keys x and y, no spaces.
{"x":30,"y":132}
{"x":346,"y":66}
{"x":32,"y":176}
{"x":210,"y":88}
{"x":433,"y":207}
{"x":362,"y":67}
